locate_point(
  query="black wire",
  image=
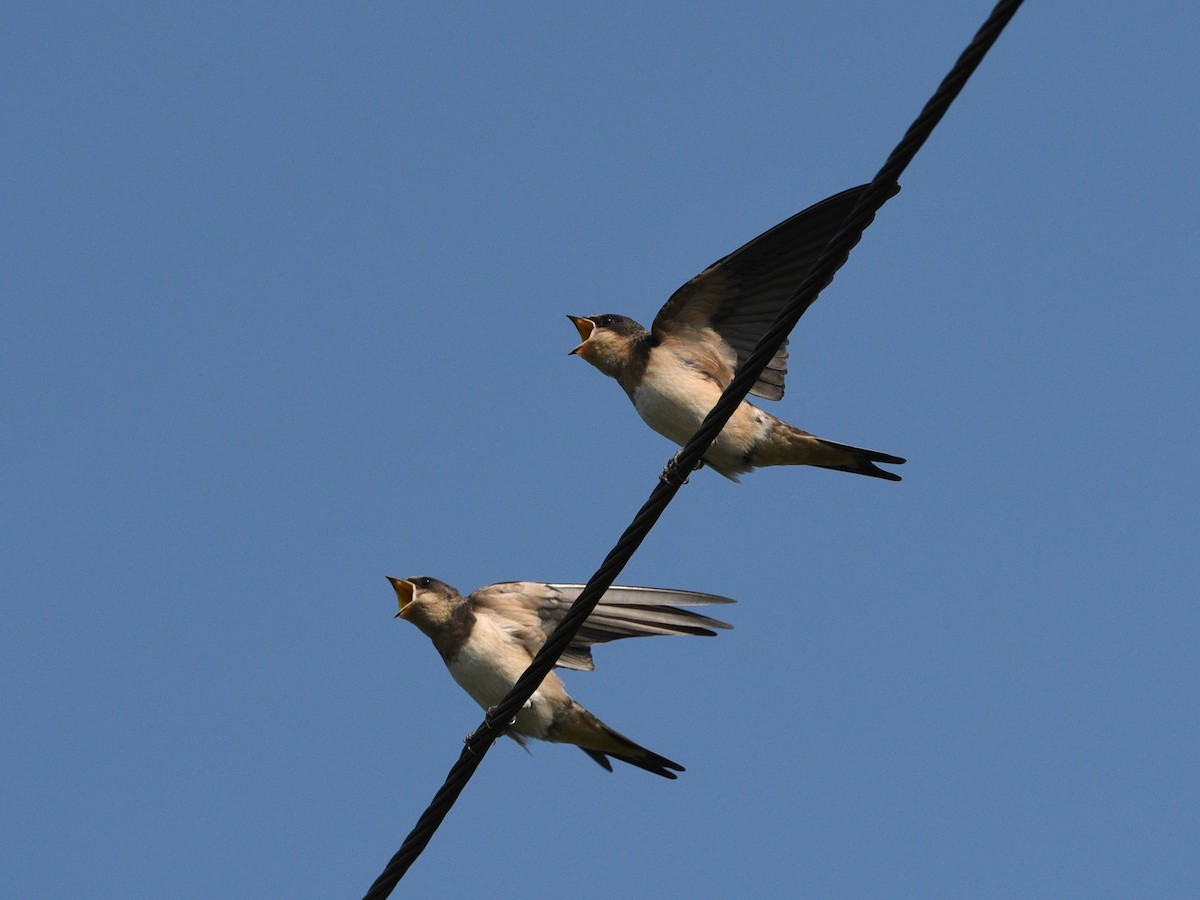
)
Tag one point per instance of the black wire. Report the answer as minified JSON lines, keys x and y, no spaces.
{"x":882,"y":187}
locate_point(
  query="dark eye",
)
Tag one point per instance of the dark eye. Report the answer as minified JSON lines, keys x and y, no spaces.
{"x":424,"y":583}
{"x":606,"y":321}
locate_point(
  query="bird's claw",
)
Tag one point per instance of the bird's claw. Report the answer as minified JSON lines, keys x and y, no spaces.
{"x":673,"y":473}
{"x":491,"y":722}
{"x":491,"y":711}
{"x":488,"y":723}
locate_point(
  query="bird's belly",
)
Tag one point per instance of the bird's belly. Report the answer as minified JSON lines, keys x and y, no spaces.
{"x":483,"y":675}
{"x":487,"y":667}
{"x":675,"y":406}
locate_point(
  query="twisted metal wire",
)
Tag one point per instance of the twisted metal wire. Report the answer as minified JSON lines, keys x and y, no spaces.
{"x":832,"y":258}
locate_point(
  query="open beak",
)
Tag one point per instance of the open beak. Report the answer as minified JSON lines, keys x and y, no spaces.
{"x":404,"y":593}
{"x":585,"y":328}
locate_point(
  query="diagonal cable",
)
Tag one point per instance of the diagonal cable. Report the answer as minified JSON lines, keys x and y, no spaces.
{"x":882,"y":187}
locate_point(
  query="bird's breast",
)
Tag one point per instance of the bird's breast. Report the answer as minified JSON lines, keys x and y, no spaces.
{"x":485,"y":669}
{"x":487,"y":666}
{"x":673,"y":397}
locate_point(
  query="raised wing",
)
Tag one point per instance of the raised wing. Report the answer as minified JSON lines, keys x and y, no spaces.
{"x":532,"y":610}
{"x":740,"y":295}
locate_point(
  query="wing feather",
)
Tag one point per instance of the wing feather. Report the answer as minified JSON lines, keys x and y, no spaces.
{"x":531,"y":610}
{"x":740,"y":295}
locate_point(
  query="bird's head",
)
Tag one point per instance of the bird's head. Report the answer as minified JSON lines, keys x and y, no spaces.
{"x":426,"y":602}
{"x":608,"y":342}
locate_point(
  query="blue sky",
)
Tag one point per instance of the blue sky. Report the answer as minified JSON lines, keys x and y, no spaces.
{"x":285,"y":293}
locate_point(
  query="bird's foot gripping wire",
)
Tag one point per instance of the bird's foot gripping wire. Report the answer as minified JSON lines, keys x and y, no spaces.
{"x":487,"y":717}
{"x":673,"y":473}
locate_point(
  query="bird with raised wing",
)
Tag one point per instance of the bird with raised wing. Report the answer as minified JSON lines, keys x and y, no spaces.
{"x":675,"y":372}
{"x":489,"y":638}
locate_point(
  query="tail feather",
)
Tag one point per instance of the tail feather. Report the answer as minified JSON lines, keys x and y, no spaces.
{"x":862,"y":461}
{"x":646,"y":759}
{"x":598,"y":757}
{"x":789,"y":446}
{"x":601,"y":743}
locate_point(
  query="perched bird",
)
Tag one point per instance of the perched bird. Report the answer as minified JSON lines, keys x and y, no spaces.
{"x":675,"y":372}
{"x":489,"y":638}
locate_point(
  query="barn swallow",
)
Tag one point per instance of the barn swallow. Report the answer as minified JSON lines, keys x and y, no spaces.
{"x":675,"y":372}
{"x":488,"y":639}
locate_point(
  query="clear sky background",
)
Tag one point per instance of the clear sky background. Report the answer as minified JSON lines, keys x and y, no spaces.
{"x":284,"y":294}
